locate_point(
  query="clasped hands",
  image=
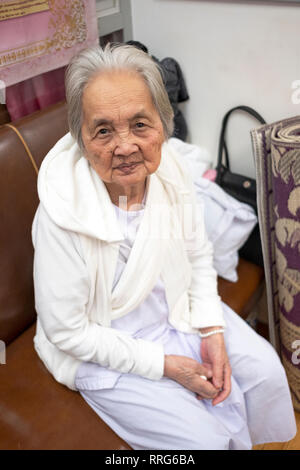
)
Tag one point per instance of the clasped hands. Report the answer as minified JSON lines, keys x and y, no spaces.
{"x":215,"y":367}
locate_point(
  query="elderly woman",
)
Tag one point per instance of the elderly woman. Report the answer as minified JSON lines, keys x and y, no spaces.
{"x":126,"y":295}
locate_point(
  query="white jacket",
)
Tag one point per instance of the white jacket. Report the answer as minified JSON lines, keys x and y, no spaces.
{"x":76,"y":239}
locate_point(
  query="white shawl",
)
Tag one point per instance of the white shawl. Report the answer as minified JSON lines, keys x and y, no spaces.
{"x":170,"y":243}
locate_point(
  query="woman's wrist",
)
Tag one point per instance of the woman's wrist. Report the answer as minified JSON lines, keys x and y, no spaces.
{"x":210,"y":331}
{"x":167,"y":366}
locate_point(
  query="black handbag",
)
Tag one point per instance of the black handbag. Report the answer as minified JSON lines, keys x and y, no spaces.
{"x":240,"y":187}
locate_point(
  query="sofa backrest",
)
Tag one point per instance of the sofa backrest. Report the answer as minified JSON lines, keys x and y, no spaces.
{"x":18,"y":203}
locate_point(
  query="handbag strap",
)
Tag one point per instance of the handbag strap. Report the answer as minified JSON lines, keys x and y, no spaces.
{"x":222,"y":141}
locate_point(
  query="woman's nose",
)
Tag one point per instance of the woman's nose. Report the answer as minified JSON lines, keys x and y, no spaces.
{"x":125,"y":146}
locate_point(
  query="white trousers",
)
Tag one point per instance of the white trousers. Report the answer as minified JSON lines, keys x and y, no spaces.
{"x":163,"y":415}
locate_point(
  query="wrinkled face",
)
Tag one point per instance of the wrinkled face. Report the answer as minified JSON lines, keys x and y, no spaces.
{"x":121,"y":129}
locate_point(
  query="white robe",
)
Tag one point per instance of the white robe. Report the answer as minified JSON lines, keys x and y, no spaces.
{"x":76,"y":237}
{"x":162,"y":414}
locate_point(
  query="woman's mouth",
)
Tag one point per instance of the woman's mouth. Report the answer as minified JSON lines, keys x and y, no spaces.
{"x":127,"y":167}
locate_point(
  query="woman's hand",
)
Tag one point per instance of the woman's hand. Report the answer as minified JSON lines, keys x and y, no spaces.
{"x":214,"y":356}
{"x":187,"y":372}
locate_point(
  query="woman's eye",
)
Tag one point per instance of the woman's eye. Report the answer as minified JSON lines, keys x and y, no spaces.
{"x":140,"y":125}
{"x":103,"y":131}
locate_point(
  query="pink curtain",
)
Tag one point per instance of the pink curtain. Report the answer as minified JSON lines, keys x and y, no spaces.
{"x":37,"y":40}
{"x":35,"y":93}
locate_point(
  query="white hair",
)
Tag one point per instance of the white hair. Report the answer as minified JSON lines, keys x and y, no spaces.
{"x":93,"y":61}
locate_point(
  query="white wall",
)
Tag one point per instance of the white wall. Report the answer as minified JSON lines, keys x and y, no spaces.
{"x":231,"y":53}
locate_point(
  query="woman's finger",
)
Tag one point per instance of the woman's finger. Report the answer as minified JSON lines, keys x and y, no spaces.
{"x":205,"y":370}
{"x":226,"y":387}
{"x":218,"y":374}
{"x":205,"y":389}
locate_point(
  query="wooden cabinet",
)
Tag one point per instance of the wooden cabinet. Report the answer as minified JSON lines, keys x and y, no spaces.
{"x":4,"y":116}
{"x":114,"y":20}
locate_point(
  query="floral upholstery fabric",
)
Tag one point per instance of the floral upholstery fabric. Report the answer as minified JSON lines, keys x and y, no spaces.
{"x":276,"y":150}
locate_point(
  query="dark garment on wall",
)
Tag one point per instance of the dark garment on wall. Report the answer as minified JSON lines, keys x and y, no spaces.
{"x":177,"y":91}
{"x":175,"y":86}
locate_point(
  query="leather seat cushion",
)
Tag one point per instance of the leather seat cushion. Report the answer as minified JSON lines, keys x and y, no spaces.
{"x":18,"y":203}
{"x":39,"y":413}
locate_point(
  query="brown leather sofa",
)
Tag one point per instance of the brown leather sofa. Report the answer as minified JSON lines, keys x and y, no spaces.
{"x":36,"y":412}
